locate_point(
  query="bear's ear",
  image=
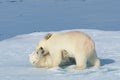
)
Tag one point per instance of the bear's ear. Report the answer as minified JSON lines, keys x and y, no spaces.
{"x":48,"y":36}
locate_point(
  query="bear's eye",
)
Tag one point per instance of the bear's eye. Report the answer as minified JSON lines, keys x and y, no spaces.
{"x":37,"y":52}
{"x":41,"y":48}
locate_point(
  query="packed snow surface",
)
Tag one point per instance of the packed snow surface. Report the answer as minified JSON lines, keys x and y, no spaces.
{"x":24,"y":22}
{"x":14,"y":60}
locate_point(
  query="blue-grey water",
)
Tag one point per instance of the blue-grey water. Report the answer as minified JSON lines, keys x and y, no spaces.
{"x":27,"y":16}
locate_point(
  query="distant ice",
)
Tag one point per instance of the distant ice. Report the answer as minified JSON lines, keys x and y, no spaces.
{"x":27,"y":16}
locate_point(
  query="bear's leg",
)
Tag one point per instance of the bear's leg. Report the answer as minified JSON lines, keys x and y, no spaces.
{"x":93,"y":59}
{"x":81,"y":60}
{"x":56,"y":58}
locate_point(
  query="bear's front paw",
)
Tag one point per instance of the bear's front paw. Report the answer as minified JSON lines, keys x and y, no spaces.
{"x":77,"y":68}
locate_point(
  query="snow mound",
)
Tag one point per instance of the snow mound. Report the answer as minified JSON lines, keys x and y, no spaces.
{"x":15,"y":64}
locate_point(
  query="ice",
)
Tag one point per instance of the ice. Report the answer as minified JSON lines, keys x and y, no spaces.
{"x":15,"y":63}
{"x":24,"y":22}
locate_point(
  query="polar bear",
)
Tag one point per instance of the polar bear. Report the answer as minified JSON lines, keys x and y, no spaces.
{"x":45,"y":61}
{"x":77,"y":44}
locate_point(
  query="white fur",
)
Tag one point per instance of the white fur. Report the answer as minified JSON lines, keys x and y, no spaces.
{"x":78,"y":45}
{"x":46,"y":61}
{"x":40,"y":61}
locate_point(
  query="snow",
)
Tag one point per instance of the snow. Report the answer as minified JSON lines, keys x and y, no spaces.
{"x":24,"y":22}
{"x":15,"y":61}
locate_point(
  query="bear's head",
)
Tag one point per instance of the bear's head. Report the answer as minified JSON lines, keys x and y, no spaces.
{"x":40,"y":57}
{"x":41,"y":47}
{"x":39,"y":60}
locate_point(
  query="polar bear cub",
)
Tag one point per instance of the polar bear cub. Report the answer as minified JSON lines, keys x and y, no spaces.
{"x":77,"y":44}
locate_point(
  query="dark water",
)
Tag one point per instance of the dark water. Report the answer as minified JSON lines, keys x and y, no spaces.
{"x":27,"y":16}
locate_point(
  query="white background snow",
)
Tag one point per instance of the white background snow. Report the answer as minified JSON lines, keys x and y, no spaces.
{"x":24,"y":22}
